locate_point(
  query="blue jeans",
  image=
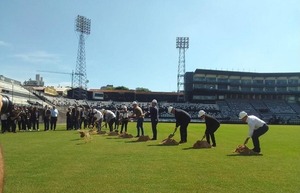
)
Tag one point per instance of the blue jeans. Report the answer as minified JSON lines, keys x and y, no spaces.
{"x":139,"y":126}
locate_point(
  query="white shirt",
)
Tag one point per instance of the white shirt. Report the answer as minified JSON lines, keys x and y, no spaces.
{"x":254,"y":123}
{"x":109,"y":115}
{"x":54,"y":112}
{"x":98,"y":115}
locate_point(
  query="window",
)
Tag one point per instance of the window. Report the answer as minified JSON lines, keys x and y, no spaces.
{"x":222,"y":87}
{"x":246,"y":81}
{"x":270,"y":82}
{"x":222,"y":80}
{"x":281,"y":81}
{"x":211,"y":79}
{"x":293,"y":81}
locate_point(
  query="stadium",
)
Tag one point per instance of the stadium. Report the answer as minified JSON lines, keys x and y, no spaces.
{"x":120,"y":125}
{"x":274,"y":97}
{"x":45,"y":158}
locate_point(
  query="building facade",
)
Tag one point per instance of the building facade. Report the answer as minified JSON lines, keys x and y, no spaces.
{"x":212,"y":85}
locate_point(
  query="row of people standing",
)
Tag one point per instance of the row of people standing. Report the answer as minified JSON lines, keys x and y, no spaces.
{"x":27,"y":118}
{"x":50,"y":116}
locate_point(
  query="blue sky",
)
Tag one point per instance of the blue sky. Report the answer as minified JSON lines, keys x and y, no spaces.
{"x":133,"y":42}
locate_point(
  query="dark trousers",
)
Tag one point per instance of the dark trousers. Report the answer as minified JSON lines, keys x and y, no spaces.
{"x":124,"y":125}
{"x":111,"y":123}
{"x":210,"y":135}
{"x":4,"y":125}
{"x":13,"y":125}
{"x":139,"y":126}
{"x":183,"y":132}
{"x":154,"y":128}
{"x":256,"y":134}
{"x":46,"y":124}
{"x":53,"y":123}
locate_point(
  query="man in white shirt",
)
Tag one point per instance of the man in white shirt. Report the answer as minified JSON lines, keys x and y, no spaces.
{"x":257,"y":127}
{"x":99,"y":117}
{"x":54,"y":115}
{"x":110,"y":118}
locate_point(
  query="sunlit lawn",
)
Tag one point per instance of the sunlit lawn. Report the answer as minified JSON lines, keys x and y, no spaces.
{"x":60,"y":161}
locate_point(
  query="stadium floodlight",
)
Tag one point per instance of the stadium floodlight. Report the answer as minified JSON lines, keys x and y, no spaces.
{"x":83,"y":26}
{"x":182,"y":43}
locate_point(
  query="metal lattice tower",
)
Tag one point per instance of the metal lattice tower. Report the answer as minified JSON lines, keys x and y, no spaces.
{"x":182,"y":43}
{"x":83,"y":27}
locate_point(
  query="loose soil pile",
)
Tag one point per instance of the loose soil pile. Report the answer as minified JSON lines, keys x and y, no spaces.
{"x":93,"y":132}
{"x":101,"y":132}
{"x":243,"y":149}
{"x":143,"y":138}
{"x":201,"y":144}
{"x":83,"y":134}
{"x":125,"y":135}
{"x":169,"y":141}
{"x":113,"y":133}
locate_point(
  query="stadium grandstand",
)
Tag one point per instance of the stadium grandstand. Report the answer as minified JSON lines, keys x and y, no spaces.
{"x":274,"y":97}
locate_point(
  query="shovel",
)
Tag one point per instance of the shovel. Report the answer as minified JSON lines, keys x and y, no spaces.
{"x":172,"y":134}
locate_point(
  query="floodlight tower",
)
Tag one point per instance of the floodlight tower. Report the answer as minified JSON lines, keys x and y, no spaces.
{"x":83,"y":27}
{"x":182,"y":43}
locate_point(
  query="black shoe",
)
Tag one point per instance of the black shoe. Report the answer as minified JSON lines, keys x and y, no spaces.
{"x":182,"y":141}
{"x":137,"y":136}
{"x":153,"y":139}
{"x":255,"y":151}
{"x":214,"y":145}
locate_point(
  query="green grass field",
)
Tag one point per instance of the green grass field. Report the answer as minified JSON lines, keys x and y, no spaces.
{"x":61,"y":162}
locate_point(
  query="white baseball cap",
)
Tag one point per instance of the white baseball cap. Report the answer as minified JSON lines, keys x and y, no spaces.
{"x":154,"y":101}
{"x":170,"y":108}
{"x":242,"y":114}
{"x":201,"y":113}
{"x":134,"y":103}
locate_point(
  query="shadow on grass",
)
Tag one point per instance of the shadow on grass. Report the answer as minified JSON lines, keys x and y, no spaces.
{"x":116,"y":137}
{"x":192,"y":148}
{"x":238,"y":154}
{"x":76,"y":139}
{"x":83,"y":143}
{"x":162,"y":145}
{"x":134,"y":141}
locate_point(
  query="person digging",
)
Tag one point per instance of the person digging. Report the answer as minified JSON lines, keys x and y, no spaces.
{"x":257,"y":128}
{"x":212,"y":124}
{"x":182,"y":119}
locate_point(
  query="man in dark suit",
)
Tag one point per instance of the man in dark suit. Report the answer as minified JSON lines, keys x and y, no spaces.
{"x":153,"y":113}
{"x":212,"y":124}
{"x":182,"y":119}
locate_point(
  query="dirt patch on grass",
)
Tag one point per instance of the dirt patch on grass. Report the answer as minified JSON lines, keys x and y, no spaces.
{"x":84,"y":134}
{"x":201,"y":144}
{"x":143,"y":138}
{"x":93,"y":132}
{"x":101,"y":132}
{"x":244,"y":150}
{"x":169,"y":141}
{"x":113,"y":133}
{"x":125,"y":135}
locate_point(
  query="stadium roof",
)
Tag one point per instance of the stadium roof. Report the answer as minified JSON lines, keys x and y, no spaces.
{"x":238,"y":73}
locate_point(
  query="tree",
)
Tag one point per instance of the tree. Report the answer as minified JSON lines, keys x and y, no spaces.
{"x":141,"y":89}
{"x":121,"y":88}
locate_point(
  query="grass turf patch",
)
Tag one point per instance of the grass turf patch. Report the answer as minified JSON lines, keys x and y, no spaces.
{"x":60,"y":161}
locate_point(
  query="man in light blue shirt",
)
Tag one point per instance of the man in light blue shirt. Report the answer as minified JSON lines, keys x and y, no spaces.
{"x":54,"y":115}
{"x":257,"y":127}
